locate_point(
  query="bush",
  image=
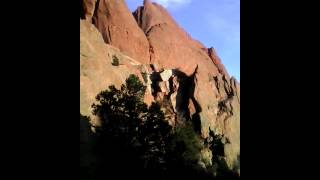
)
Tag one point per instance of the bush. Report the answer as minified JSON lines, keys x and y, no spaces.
{"x":219,"y":167}
{"x":115,"y":61}
{"x":132,"y":137}
{"x":183,"y":153}
{"x":135,"y":139}
{"x":187,"y":144}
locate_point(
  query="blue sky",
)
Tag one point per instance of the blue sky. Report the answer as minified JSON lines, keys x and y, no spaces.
{"x":216,"y":23}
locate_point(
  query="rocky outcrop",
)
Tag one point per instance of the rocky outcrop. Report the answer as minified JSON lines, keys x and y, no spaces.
{"x":178,"y":69}
{"x":96,"y":69}
{"x":170,"y":46}
{"x":216,"y":61}
{"x":119,"y":29}
{"x":87,"y":9}
{"x":213,"y":97}
{"x":166,"y":74}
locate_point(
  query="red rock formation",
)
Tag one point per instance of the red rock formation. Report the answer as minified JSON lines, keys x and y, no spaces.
{"x":216,"y":60}
{"x":170,"y":46}
{"x":96,"y":69}
{"x":118,"y":28}
{"x":151,"y":36}
{"x":88,"y":7}
{"x":216,"y":96}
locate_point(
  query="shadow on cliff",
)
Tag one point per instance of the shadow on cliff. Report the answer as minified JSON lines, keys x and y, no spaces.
{"x":185,"y":93}
{"x":125,"y":148}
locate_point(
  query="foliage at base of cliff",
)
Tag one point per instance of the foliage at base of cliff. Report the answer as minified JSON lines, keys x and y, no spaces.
{"x":136,"y":141}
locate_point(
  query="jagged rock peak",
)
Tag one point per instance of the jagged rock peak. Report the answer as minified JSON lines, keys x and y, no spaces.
{"x":118,"y":27}
{"x":217,"y":61}
{"x":145,"y":2}
{"x":151,"y":36}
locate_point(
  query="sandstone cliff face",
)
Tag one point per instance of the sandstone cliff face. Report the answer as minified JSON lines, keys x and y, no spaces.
{"x":170,"y":46}
{"x":118,"y":28}
{"x":96,"y":69}
{"x":87,"y":8}
{"x":197,"y":85}
{"x":214,"y":92}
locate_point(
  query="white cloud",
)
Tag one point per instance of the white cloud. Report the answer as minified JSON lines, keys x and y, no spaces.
{"x":173,"y":3}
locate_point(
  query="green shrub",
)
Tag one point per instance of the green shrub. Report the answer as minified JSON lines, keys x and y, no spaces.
{"x":219,"y":167}
{"x":136,"y":139}
{"x":115,"y":61}
{"x":133,"y":136}
{"x":186,"y":145}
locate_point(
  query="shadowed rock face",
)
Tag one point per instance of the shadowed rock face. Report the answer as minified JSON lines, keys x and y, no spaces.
{"x":150,"y":36}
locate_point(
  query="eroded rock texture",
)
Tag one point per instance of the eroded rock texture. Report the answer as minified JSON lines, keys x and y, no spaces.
{"x":179,"y":69}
